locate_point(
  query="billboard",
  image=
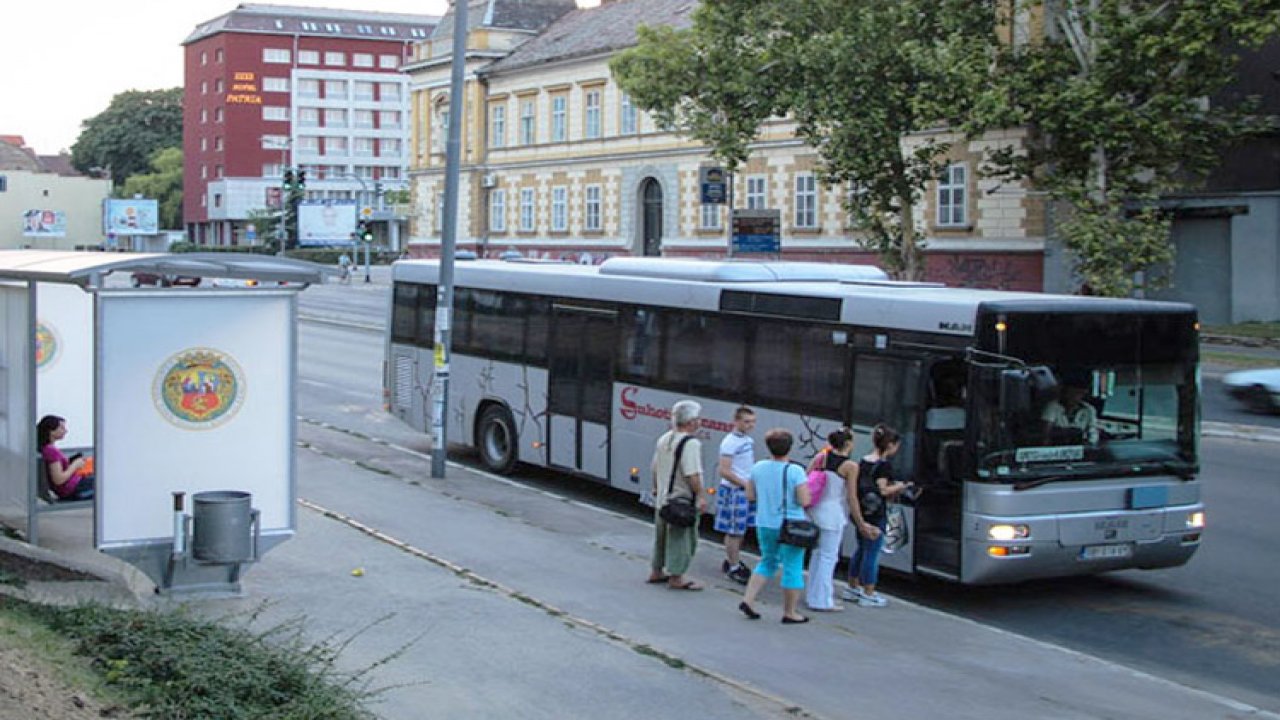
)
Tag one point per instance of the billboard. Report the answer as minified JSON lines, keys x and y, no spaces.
{"x":44,"y":223}
{"x":131,"y":217}
{"x":326,"y":222}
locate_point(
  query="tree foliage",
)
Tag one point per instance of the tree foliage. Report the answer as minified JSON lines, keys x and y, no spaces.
{"x":1116,"y":94}
{"x":124,"y":137}
{"x":855,"y":75}
{"x":163,"y":184}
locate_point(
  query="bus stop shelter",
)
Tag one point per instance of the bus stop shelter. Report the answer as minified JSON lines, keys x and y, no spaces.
{"x":173,"y":391}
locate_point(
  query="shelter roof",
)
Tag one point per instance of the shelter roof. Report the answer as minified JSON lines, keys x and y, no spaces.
{"x":81,"y":268}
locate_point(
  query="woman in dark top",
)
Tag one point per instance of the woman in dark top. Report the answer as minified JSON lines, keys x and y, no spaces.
{"x":875,"y":486}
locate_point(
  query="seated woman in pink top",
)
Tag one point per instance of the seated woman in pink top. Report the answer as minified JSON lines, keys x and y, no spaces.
{"x":69,"y":478}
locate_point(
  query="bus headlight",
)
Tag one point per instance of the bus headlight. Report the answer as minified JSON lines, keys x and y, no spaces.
{"x":1008,"y":532}
{"x":1195,"y":520}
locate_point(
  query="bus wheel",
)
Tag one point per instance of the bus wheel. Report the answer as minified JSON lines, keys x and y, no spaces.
{"x":497,"y":440}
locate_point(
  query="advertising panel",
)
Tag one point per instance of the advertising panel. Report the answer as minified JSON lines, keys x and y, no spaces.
{"x":131,"y":217}
{"x":326,"y":222}
{"x":44,"y":223}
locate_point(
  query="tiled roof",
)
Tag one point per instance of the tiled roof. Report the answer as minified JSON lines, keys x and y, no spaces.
{"x":531,"y":15}
{"x":282,"y":19}
{"x":60,"y":164}
{"x":591,"y":31}
{"x":17,"y":157}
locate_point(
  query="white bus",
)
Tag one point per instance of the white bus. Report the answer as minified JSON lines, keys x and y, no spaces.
{"x":576,"y":367}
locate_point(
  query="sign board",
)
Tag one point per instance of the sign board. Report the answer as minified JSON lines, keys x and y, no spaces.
{"x":137,"y":216}
{"x":713,"y":182}
{"x":250,"y":232}
{"x":756,"y":231}
{"x":44,"y":223}
{"x":326,"y":222}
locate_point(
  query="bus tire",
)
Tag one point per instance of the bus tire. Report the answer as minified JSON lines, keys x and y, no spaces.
{"x":496,"y":437}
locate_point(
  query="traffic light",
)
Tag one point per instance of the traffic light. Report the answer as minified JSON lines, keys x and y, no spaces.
{"x":288,"y":179}
{"x":302,"y":179}
{"x":364,"y":232}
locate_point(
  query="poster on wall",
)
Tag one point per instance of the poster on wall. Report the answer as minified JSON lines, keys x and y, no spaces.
{"x":326,"y":222}
{"x":44,"y":223}
{"x":137,"y":216}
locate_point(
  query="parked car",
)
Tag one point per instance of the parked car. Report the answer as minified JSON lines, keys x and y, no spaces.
{"x":138,"y":279}
{"x":1258,"y":389}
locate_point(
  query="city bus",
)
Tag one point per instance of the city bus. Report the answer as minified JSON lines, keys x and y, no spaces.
{"x":575,"y":368}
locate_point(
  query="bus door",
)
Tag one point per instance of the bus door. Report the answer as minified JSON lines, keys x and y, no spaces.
{"x":580,"y":388}
{"x":886,"y":389}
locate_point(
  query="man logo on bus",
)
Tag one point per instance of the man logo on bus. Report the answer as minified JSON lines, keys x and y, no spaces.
{"x":199,"y":388}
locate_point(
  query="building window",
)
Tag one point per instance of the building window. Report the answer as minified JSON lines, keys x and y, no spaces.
{"x":335,"y":58}
{"x":217,"y":55}
{"x":335,"y":118}
{"x":4,"y":183}
{"x":528,"y":124}
{"x":389,"y":120}
{"x":362,"y":60}
{"x":309,"y":145}
{"x":272,"y":170}
{"x":275,"y":84}
{"x":389,"y":147}
{"x":591,"y":208}
{"x":335,"y":146}
{"x":526,"y":210}
{"x":390,"y":173}
{"x":217,"y":200}
{"x":560,"y":208}
{"x":498,"y":126}
{"x":218,"y":87}
{"x":308,"y":88}
{"x":309,"y":117}
{"x":308,"y":57}
{"x":710,"y":217}
{"x":627,"y":121}
{"x":272,"y":55}
{"x":757,"y":192}
{"x":335,"y":89}
{"x":204,"y":87}
{"x":204,"y":115}
{"x":498,"y":211}
{"x":806,"y":215}
{"x":363,"y":147}
{"x":204,"y":144}
{"x":364,"y":118}
{"x":204,"y":58}
{"x":217,"y":143}
{"x":218,"y":172}
{"x":953,"y":206}
{"x":592,"y":129}
{"x":217,"y":115}
{"x":204,"y":172}
{"x":389,"y":92}
{"x":389,"y":62}
{"x":559,"y":118}
{"x":364,"y":90}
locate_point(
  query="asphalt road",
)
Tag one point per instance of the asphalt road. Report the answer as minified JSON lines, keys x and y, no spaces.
{"x":1212,"y":624}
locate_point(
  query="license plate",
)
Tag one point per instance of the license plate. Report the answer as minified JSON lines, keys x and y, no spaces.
{"x":1106,"y":552}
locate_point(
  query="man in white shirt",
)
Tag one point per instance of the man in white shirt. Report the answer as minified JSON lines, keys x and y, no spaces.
{"x":1072,"y":413}
{"x":734,"y":512}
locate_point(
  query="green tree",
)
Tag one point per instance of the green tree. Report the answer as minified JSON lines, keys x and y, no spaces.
{"x":125,"y":136}
{"x":856,"y":76}
{"x":163,"y":184}
{"x":1116,"y":95}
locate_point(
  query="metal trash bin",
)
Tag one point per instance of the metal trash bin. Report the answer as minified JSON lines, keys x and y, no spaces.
{"x":223,"y":527}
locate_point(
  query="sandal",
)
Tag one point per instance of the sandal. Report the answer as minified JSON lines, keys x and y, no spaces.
{"x":686,"y":585}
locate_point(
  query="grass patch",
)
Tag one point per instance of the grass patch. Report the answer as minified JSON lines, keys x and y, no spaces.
{"x":172,"y":664}
{"x":1254,"y":329}
{"x":1237,"y":360}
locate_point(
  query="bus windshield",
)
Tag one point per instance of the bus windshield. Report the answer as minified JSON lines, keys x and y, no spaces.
{"x":1089,"y":397}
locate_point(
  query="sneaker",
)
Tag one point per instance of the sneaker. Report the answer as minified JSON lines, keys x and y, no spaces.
{"x":876,"y":600}
{"x":725,"y":567}
{"x":853,"y":593}
{"x":740,"y":574}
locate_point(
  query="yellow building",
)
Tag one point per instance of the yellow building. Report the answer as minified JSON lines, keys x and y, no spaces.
{"x":45,"y":205}
{"x":558,"y":163}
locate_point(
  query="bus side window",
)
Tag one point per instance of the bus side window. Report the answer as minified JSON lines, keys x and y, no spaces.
{"x":639,"y":347}
{"x":426,"y":316}
{"x":886,"y":390}
{"x":404,"y":311}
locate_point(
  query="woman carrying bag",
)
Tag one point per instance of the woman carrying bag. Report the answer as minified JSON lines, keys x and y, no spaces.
{"x":778,"y":488}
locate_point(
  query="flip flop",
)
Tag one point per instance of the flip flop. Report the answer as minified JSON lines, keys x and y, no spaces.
{"x":686,"y":585}
{"x":657,"y":580}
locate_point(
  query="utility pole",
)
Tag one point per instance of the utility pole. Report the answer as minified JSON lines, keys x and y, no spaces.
{"x":448,"y":243}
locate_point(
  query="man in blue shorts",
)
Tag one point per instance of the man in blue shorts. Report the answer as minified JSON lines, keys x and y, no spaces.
{"x":734,"y":513}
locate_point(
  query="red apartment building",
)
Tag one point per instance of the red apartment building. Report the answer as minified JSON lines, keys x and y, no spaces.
{"x":270,"y":87}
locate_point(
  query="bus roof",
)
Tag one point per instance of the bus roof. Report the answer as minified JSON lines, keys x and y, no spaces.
{"x":867,"y":298}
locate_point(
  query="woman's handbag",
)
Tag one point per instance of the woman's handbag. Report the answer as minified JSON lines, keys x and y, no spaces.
{"x":678,"y":511}
{"x":798,"y":533}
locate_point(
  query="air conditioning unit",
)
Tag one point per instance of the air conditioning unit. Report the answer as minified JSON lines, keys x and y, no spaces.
{"x":490,"y":180}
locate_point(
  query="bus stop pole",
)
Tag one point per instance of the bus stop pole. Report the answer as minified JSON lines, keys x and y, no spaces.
{"x":448,"y":244}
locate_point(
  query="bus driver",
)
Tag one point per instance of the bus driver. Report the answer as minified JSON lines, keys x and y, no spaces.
{"x":1070,"y":412}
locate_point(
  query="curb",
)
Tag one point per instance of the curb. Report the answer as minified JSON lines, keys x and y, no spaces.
{"x":1239,"y":341}
{"x":110,"y":587}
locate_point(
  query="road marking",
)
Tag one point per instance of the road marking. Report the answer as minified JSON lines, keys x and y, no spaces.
{"x":672,"y":661}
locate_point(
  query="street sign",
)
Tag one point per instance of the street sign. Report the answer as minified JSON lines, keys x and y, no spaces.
{"x":250,"y":232}
{"x":756,"y":231}
{"x":714,"y":185}
{"x":366,"y":212}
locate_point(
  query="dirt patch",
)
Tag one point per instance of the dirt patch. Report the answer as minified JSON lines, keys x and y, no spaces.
{"x":16,"y":570}
{"x":28,"y":689}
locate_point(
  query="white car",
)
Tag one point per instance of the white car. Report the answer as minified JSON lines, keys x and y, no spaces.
{"x":1259,"y":389}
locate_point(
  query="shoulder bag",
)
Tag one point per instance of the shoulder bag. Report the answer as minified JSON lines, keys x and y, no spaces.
{"x":678,"y":511}
{"x":799,"y":533}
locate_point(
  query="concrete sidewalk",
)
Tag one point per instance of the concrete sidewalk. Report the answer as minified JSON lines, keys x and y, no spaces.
{"x":502,"y":601}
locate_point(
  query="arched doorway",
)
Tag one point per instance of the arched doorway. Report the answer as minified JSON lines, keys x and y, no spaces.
{"x":651,"y":217}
